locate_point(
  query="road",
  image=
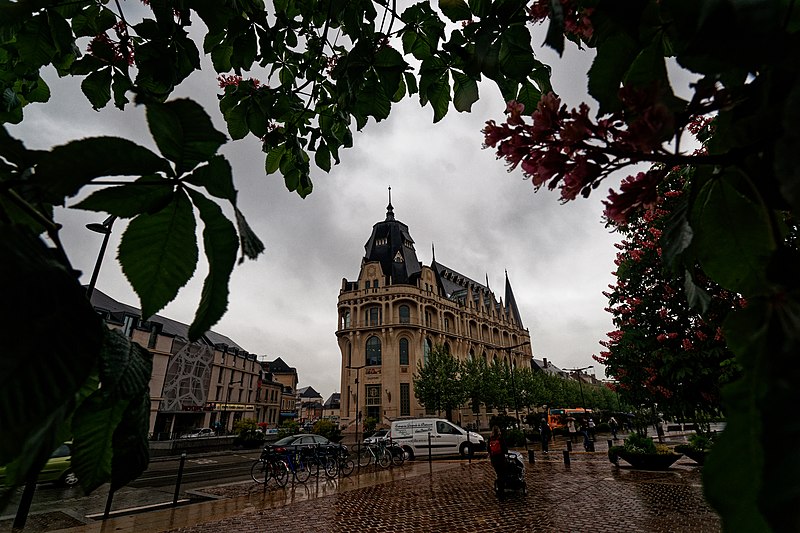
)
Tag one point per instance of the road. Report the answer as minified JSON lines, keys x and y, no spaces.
{"x":155,"y":485}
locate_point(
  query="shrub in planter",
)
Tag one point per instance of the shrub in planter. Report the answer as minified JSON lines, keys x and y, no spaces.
{"x":247,"y":434}
{"x":515,"y":437}
{"x":641,"y":452}
{"x":698,"y":447}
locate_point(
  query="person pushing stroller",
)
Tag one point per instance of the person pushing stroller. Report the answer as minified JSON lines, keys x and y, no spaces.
{"x":497,"y":455}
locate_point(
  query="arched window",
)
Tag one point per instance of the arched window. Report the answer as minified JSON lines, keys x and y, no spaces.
{"x":427,"y":347}
{"x":470,"y":355}
{"x":373,"y":316}
{"x":348,"y":349}
{"x":405,"y":314}
{"x":403,"y":351}
{"x":447,"y":348}
{"x":373,"y":351}
{"x":346,"y":317}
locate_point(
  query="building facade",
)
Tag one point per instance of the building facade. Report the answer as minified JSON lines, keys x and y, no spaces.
{"x":398,"y":309}
{"x":210,"y":382}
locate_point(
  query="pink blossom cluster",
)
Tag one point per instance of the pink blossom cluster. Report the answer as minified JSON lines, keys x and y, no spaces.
{"x":568,"y":150}
{"x":226,"y":80}
{"x":577,"y":19}
{"x":102,"y":46}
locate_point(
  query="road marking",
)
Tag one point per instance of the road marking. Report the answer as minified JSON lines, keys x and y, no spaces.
{"x":202,"y":461}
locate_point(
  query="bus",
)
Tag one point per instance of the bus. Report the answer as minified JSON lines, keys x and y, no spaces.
{"x":557,"y":418}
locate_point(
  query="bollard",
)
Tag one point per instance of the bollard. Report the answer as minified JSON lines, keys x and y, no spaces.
{"x":531,"y":458}
{"x":590,"y":446}
{"x":178,"y":481}
{"x":610,"y":443}
{"x":429,"y":448}
{"x":569,"y":445}
{"x":566,"y":457}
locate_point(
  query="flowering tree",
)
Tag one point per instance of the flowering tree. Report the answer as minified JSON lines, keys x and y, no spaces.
{"x":665,"y":351}
{"x":744,"y":56}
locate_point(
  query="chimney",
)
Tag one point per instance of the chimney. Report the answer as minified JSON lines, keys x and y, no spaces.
{"x":545,"y":361}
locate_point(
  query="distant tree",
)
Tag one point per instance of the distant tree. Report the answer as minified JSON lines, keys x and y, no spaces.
{"x":437,"y":382}
{"x":288,"y":427}
{"x":328,"y":429}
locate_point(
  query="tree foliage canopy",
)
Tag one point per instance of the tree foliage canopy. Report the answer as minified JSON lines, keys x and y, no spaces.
{"x":299,"y":76}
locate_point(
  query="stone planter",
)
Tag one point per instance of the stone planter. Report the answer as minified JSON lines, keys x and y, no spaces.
{"x":698,"y":456}
{"x":649,"y":461}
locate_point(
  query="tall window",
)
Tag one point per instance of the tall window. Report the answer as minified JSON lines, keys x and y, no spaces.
{"x":373,"y":351}
{"x":427,"y":347}
{"x":366,"y":284}
{"x":347,"y":320}
{"x":427,"y":319}
{"x":373,"y":316}
{"x":405,"y":315}
{"x":405,"y":400}
{"x":373,"y":401}
{"x":446,"y":324}
{"x":403,"y":351}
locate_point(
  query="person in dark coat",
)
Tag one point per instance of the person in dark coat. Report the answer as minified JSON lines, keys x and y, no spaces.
{"x":546,"y":433}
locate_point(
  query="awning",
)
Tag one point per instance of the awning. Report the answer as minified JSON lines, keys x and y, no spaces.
{"x":290,"y":414}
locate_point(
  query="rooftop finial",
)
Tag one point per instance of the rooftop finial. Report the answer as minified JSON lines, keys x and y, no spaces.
{"x":389,"y":208}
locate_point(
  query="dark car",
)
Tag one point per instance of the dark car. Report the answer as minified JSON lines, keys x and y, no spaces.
{"x":302,"y":440}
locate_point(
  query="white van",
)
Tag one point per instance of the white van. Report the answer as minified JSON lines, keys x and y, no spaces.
{"x":446,"y":438}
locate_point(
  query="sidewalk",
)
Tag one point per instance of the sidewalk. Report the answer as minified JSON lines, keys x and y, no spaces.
{"x":452,"y":496}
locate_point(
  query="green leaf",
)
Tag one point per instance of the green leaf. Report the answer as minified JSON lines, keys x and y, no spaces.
{"x":465,"y":92}
{"x":147,"y":194}
{"x":251,"y":245}
{"x":158,"y":253}
{"x":37,"y":375}
{"x":125,"y":367}
{"x":529,"y":96}
{"x":732,"y":473}
{"x":455,"y":10}
{"x":65,"y":169}
{"x":613,"y":59}
{"x":97,"y":87}
{"x":184,"y":133}
{"x":322,"y":157}
{"x":236,"y":119}
{"x":516,"y":54}
{"x":130,"y":442}
{"x":274,"y":158}
{"x":94,"y":424}
{"x":695,"y":294}
{"x":120,"y":86}
{"x":216,"y":177}
{"x":555,"y":30}
{"x":733,"y":235}
{"x":221,"y":244}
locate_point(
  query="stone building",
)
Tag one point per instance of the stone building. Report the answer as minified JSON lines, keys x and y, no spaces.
{"x":398,"y":309}
{"x":209,"y":382}
{"x":287,"y":376}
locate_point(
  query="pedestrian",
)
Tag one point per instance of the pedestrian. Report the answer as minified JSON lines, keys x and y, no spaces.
{"x":585,"y":433}
{"x":591,"y":428}
{"x":546,"y":433}
{"x":612,"y":423}
{"x":497,"y":455}
{"x":573,"y":432}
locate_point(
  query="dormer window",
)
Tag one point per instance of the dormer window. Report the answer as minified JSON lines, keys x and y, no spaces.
{"x":398,"y":257}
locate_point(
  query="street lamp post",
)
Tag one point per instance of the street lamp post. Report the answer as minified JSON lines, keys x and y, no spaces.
{"x":358,"y":412}
{"x":580,"y":384}
{"x":514,"y":383}
{"x":240,"y":381}
{"x":105,"y":230}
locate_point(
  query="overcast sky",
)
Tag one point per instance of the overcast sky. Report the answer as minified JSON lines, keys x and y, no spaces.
{"x":448,"y":190}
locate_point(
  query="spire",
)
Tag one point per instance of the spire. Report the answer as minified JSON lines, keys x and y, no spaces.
{"x":433,"y":253}
{"x":487,"y":279}
{"x":511,"y":303}
{"x":389,"y":208}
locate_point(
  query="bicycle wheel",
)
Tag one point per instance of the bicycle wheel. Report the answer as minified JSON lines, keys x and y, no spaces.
{"x":364,"y":458}
{"x":260,"y":472}
{"x":331,"y":466}
{"x":280,"y":472}
{"x":301,"y":471}
{"x":346,"y":466}
{"x":384,"y":458}
{"x":398,"y":457}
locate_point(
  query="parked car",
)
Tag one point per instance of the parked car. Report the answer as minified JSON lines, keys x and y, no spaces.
{"x":58,"y":468}
{"x":199,"y":432}
{"x":302,"y":440}
{"x":378,"y":436}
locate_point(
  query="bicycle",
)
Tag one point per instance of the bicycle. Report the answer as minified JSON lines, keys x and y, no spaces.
{"x":374,"y":453}
{"x":269,"y":466}
{"x":296,"y":463}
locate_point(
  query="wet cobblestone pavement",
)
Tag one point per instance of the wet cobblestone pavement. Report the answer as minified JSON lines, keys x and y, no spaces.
{"x":453,"y":496}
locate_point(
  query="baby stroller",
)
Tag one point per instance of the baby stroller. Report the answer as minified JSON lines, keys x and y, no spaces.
{"x":513,"y":475}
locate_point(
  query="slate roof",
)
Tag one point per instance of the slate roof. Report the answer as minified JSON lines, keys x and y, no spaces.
{"x":551,"y":368}
{"x":333,"y":402}
{"x":117,"y":310}
{"x":308,"y":392}
{"x":392,"y":246}
{"x":280,"y":367}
